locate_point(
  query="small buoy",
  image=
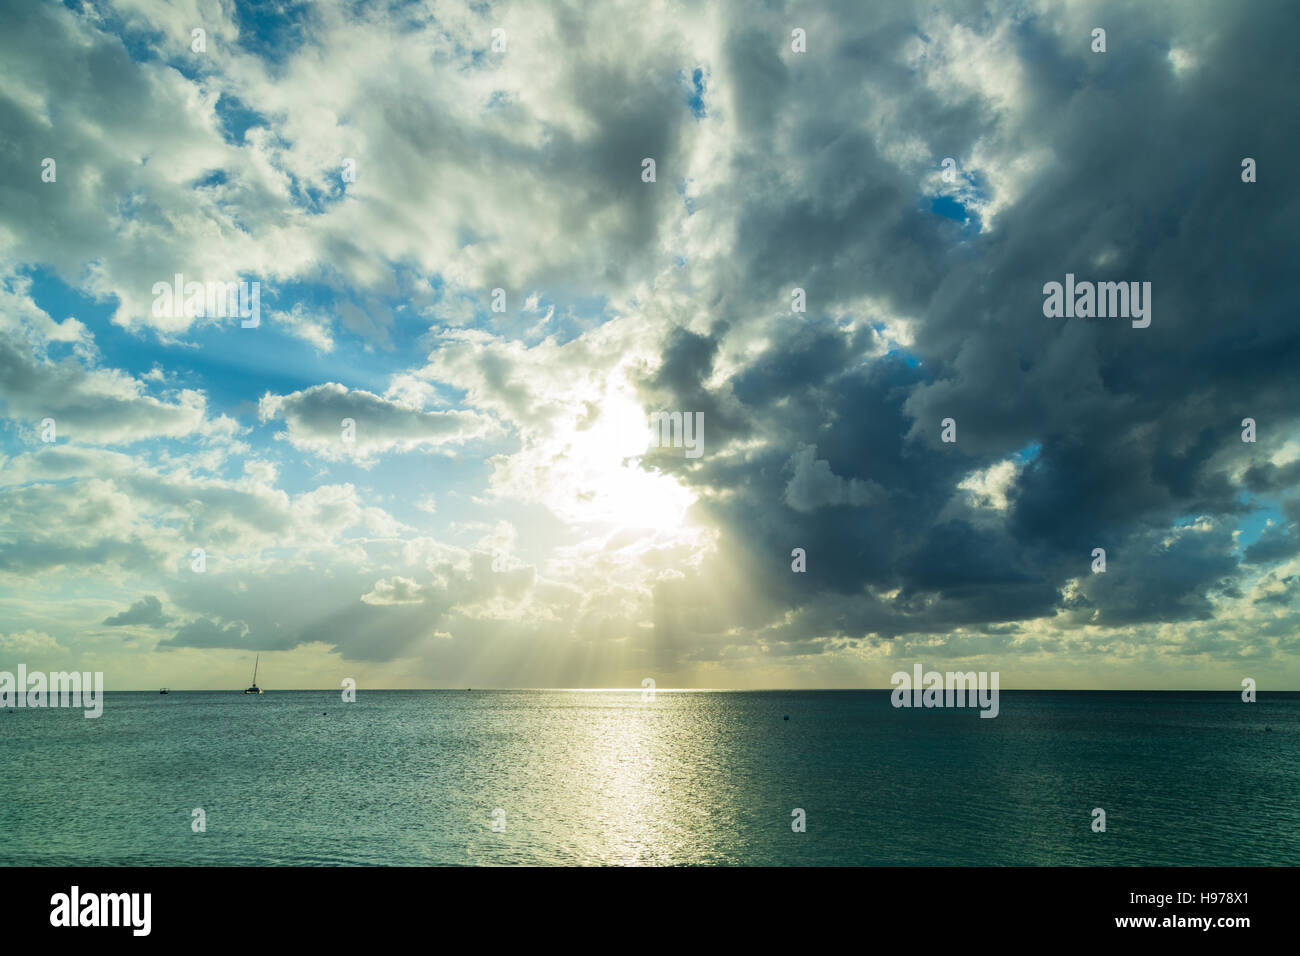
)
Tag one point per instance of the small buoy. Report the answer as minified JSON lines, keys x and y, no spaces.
{"x":787,"y":717}
{"x":1267,"y":729}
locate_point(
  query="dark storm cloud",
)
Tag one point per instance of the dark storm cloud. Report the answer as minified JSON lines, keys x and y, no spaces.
{"x":1151,"y":578}
{"x":1136,"y":428}
{"x":1274,"y":545}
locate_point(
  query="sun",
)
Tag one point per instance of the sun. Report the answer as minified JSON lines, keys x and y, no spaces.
{"x":609,"y":486}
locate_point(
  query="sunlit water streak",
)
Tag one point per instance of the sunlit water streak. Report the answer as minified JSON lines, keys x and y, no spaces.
{"x":412,"y":777}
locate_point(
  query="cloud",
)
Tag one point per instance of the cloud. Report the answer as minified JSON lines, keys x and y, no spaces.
{"x":399,"y":590}
{"x":813,"y":485}
{"x":205,"y":633}
{"x":146,"y":612}
{"x":99,"y":510}
{"x":317,"y":418}
{"x":29,"y":642}
{"x":87,"y":404}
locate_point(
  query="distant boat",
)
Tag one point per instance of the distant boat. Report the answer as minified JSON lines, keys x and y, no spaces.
{"x":163,"y":691}
{"x":255,"y":689}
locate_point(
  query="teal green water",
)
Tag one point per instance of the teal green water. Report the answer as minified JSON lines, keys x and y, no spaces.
{"x":413,"y":777}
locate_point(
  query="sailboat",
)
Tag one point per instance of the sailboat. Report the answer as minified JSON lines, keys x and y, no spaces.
{"x":255,"y":689}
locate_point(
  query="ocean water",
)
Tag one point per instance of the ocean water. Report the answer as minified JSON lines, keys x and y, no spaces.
{"x":599,"y":777}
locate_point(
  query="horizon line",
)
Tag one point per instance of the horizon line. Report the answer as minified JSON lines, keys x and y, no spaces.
{"x":705,"y":690}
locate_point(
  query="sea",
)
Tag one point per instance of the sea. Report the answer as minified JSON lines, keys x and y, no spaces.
{"x":737,"y":778}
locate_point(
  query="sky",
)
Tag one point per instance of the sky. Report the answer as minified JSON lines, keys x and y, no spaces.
{"x":461,"y":251}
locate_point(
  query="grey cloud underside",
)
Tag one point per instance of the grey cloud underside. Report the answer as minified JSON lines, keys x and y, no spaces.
{"x":146,"y":612}
{"x":317,"y":414}
{"x":87,"y":407}
{"x":283,"y":609}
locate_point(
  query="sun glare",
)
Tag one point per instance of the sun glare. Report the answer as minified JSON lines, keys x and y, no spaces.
{"x":611,"y":487}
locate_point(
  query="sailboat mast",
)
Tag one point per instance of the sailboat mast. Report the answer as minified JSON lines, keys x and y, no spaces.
{"x":255,"y":661}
